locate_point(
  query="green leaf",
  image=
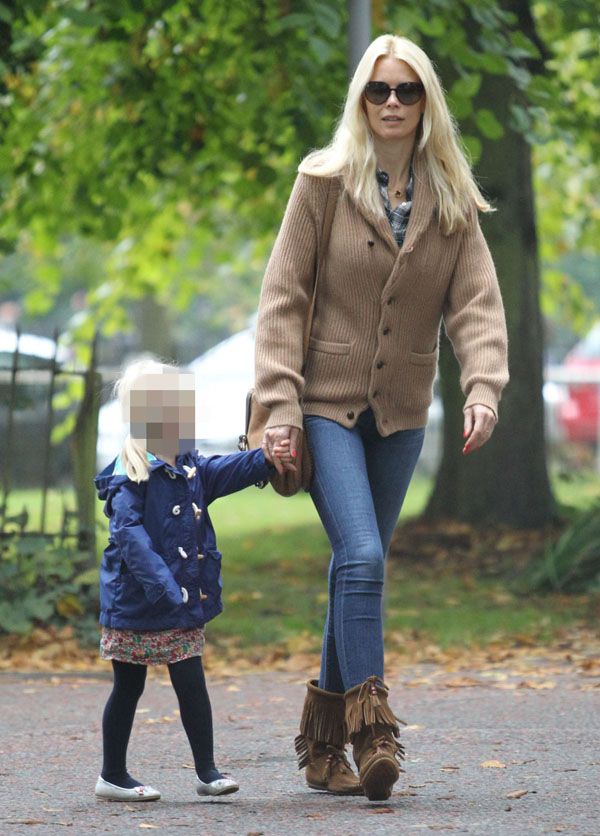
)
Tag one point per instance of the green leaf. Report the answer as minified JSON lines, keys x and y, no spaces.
{"x":493,"y":64}
{"x":488,"y":124}
{"x":328,"y":20}
{"x":433,"y":27}
{"x":291,"y":21}
{"x":321,"y":48}
{"x":466,"y":87}
{"x":473,"y":147}
{"x":520,"y":119}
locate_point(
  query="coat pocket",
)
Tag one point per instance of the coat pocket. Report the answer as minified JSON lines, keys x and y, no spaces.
{"x":210,"y":571}
{"x":328,"y":348}
{"x":428,"y":359}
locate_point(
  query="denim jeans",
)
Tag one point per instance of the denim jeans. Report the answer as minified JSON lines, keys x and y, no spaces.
{"x":359,"y":484}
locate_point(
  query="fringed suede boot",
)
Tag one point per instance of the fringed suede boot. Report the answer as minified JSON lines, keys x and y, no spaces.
{"x":320,"y":744}
{"x":372,"y":730}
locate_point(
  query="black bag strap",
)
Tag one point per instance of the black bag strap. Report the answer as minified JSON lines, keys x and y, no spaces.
{"x":323,"y":244}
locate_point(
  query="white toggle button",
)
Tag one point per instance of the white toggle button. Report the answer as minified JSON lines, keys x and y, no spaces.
{"x":176,"y":511}
{"x":190,"y":471}
{"x":184,"y":592}
{"x":197,"y":511}
{"x":182,"y":552}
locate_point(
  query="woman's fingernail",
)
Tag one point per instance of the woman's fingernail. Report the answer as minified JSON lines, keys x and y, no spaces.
{"x":294,"y":453}
{"x":465,"y":434}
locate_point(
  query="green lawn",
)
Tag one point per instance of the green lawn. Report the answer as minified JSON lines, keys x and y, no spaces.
{"x":275,"y":578}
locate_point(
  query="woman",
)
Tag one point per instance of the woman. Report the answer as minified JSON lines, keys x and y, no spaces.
{"x":405,"y":252}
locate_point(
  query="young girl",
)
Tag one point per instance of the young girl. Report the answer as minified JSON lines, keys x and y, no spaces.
{"x":160,"y":577}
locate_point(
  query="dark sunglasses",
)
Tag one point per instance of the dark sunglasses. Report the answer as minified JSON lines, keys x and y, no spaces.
{"x":409,"y":92}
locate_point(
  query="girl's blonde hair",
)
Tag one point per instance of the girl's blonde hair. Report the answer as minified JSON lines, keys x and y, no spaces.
{"x":134,"y":458}
{"x":351,"y":152}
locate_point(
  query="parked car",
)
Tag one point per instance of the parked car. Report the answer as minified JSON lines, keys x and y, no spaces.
{"x":578,"y":412}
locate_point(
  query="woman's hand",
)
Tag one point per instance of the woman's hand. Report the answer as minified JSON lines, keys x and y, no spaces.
{"x":480,"y":421}
{"x":279,"y":446}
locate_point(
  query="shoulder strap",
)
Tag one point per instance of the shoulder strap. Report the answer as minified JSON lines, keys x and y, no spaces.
{"x":328,"y":215}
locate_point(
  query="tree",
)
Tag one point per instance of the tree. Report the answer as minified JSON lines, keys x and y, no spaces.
{"x":170,"y":132}
{"x":491,"y":57}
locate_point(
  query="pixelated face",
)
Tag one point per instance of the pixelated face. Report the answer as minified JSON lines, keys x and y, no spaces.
{"x":162,"y":411}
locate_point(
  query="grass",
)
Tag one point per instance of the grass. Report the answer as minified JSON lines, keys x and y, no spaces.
{"x":275,"y":578}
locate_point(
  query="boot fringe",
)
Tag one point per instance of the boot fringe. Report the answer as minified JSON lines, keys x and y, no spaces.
{"x":302,"y":751}
{"x":365,"y":708}
{"x":323,"y":717}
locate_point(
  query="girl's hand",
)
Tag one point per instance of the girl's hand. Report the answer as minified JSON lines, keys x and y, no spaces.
{"x":279,"y":447}
{"x":480,"y":421}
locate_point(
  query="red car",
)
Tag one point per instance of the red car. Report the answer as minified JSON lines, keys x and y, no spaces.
{"x":578,"y":413}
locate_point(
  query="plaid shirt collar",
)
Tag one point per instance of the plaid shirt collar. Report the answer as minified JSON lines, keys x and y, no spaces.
{"x":399,"y":216}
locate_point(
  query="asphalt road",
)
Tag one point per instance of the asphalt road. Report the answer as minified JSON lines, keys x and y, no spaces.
{"x":537,"y":732}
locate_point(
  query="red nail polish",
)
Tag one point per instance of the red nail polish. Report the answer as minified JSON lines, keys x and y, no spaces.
{"x":294,"y":453}
{"x":465,"y":434}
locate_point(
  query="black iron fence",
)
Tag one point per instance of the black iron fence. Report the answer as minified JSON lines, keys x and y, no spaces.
{"x":18,"y":377}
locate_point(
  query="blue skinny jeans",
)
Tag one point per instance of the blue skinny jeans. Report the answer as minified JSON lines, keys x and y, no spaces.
{"x":359,"y":484}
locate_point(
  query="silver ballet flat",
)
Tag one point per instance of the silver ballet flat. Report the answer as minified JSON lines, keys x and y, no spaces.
{"x":111,"y":792}
{"x":222,"y":786}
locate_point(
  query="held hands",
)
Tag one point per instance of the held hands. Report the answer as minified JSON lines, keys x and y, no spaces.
{"x":279,"y":446}
{"x":480,"y":421}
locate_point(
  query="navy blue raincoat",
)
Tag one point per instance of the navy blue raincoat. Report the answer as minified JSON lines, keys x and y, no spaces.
{"x":162,"y":541}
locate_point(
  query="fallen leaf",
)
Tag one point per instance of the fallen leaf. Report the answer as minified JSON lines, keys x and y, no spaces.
{"x":493,"y":765}
{"x":145,"y":826}
{"x":232,"y":688}
{"x":449,"y":768}
{"x":517,"y":793}
{"x":463,"y":682}
{"x":537,"y":686}
{"x":380,"y":810}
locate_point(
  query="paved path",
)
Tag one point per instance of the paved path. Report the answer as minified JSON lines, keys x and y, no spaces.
{"x":545,"y":729}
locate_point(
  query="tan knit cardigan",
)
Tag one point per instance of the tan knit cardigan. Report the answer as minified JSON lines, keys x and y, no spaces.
{"x":374,"y":338}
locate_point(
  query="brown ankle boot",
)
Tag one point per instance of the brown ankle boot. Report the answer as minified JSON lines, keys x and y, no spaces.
{"x":372,"y":730}
{"x":320,"y":744}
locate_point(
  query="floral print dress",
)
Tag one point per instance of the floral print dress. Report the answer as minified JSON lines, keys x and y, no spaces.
{"x":151,"y":647}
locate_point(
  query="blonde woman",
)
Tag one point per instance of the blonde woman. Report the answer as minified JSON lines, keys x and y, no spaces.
{"x":405,"y":252}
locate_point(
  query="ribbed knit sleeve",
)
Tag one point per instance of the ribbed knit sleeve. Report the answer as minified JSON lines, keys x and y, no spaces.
{"x":475,"y":321}
{"x":284,"y":303}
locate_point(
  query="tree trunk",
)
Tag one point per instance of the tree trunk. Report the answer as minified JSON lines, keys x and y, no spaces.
{"x":507,"y":480}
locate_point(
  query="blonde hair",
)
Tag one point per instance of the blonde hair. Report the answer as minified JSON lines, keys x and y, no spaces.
{"x":351,"y":152}
{"x":134,"y":458}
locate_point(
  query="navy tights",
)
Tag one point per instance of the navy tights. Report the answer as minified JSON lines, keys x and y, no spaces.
{"x":188,"y":681}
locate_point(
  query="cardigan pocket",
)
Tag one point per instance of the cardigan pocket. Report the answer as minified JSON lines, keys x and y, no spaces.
{"x":328,"y":348}
{"x":418,"y":359}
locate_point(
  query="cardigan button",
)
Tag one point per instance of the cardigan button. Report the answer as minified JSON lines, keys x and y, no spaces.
{"x":390,"y":300}
{"x":381,"y":364}
{"x":371,"y":243}
{"x":176,"y":510}
{"x":386,"y":331}
{"x":350,"y":415}
{"x":375,"y":393}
